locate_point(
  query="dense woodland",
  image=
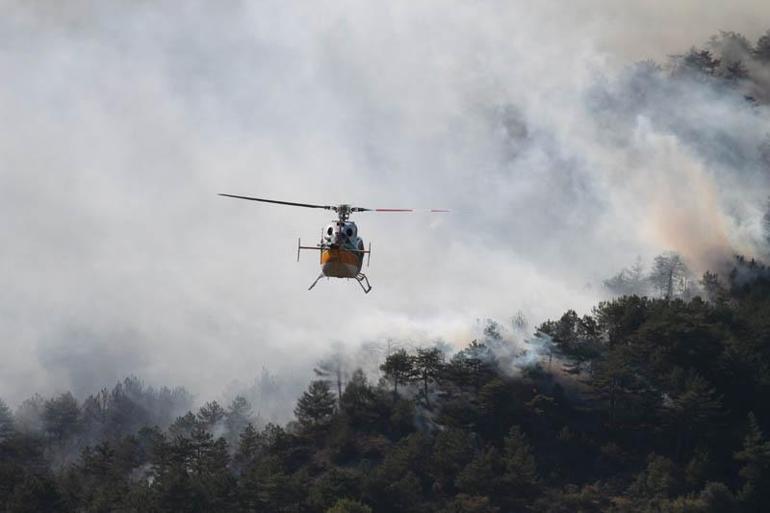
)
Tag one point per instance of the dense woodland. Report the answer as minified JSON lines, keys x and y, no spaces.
{"x":655,"y":402}
{"x":647,"y":404}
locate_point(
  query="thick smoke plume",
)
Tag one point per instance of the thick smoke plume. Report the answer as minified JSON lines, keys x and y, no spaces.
{"x":562,"y":162}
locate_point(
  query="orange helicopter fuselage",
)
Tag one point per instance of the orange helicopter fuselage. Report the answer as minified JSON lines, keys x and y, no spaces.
{"x":340,"y":263}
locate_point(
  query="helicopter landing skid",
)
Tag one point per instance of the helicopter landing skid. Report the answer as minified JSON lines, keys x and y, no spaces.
{"x":364,"y":282}
{"x":316,"y":281}
{"x":360,"y":278}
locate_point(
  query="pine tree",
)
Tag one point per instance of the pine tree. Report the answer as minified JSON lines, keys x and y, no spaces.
{"x":574,"y":338}
{"x":397,"y":369}
{"x":755,"y":456}
{"x":36,"y":493}
{"x":61,"y":417}
{"x":316,"y":406}
{"x":6,"y":421}
{"x":95,"y":413}
{"x":452,"y":450}
{"x":183,"y":426}
{"x":360,"y":401}
{"x":762,"y":50}
{"x":238,"y":416}
{"x":29,"y":415}
{"x":333,"y":484}
{"x":210,"y":415}
{"x":700,"y":61}
{"x":483,"y":475}
{"x":712,"y":286}
{"x":692,"y":412}
{"x":766,"y":221}
{"x":249,"y":448}
{"x":349,"y":506}
{"x":463,"y":503}
{"x":519,"y":460}
{"x":658,"y":481}
{"x":473,"y":366}
{"x":428,"y":365}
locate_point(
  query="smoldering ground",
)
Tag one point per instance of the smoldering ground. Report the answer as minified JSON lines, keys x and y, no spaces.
{"x":122,"y":120}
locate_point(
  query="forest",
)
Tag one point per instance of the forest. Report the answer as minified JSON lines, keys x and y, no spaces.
{"x":655,"y":401}
{"x":646,"y":404}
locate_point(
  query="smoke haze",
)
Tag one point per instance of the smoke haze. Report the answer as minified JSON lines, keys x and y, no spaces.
{"x":561,"y":164}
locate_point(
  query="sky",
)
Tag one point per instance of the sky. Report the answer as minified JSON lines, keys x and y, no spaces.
{"x":120,"y":121}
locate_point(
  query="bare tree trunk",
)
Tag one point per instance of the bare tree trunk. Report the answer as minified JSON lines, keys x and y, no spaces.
{"x":339,"y":387}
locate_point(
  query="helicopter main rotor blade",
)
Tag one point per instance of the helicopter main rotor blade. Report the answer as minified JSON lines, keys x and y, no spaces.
{"x":362,"y":209}
{"x":290,"y":203}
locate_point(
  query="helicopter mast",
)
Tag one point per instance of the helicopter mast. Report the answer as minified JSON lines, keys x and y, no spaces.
{"x":343,"y":212}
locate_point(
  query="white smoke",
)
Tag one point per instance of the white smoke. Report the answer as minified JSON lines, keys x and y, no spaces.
{"x":122,"y":120}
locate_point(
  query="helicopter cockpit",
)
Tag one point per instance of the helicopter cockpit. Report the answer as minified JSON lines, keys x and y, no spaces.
{"x":342,"y":233}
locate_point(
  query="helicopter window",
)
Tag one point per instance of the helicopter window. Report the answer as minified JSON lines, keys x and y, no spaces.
{"x":349,"y":232}
{"x":330,"y":230}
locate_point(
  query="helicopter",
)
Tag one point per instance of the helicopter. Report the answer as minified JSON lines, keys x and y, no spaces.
{"x":341,"y":250}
